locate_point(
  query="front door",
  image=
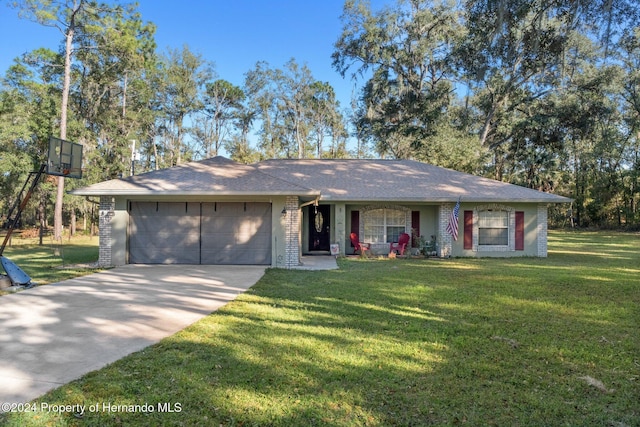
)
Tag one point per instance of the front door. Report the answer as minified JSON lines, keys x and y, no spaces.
{"x":319,"y":228}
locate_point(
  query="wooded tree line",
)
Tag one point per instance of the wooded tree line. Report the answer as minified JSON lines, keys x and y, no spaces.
{"x":543,"y":94}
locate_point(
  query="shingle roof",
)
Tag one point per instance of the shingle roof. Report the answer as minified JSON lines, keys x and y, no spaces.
{"x":214,"y":176}
{"x":398,"y":180}
{"x":334,"y":180}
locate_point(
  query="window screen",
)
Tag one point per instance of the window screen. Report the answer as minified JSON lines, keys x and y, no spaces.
{"x":493,"y":228}
{"x":384,"y":225}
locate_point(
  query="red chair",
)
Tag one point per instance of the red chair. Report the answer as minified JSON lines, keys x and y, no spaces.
{"x":399,"y":247}
{"x":357,"y":245}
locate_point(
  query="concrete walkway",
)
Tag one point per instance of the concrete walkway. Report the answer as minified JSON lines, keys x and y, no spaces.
{"x":317,"y":262}
{"x":53,"y":334}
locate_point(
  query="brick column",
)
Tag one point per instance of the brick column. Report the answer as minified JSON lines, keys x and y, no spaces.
{"x":107,"y":211}
{"x":445,"y":241}
{"x":339,"y":233}
{"x":542,"y":230}
{"x":292,"y":233}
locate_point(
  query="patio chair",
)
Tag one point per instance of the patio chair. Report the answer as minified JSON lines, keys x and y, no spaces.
{"x":358,"y":245}
{"x":399,"y":247}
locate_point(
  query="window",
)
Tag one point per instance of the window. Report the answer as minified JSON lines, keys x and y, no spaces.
{"x":493,"y":228}
{"x":383,"y":225}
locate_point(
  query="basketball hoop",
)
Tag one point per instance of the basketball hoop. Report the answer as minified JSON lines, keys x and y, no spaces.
{"x":64,"y":158}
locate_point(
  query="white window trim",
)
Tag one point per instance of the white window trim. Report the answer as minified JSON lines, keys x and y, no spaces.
{"x":366,"y":209}
{"x":511,"y":246}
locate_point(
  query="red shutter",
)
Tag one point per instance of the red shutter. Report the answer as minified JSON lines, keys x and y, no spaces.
{"x":519,"y":231}
{"x":355,"y":223}
{"x":468,"y":229}
{"x":415,"y":227}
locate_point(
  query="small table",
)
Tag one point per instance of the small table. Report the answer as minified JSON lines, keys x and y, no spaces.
{"x":379,"y":248}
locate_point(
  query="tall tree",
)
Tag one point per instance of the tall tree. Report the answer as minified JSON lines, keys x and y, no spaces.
{"x":29,"y":115}
{"x":222,"y":104}
{"x":326,"y":120}
{"x":293,"y":85}
{"x":515,"y":52}
{"x":404,"y":51}
{"x":630,"y":63}
{"x":183,"y":75}
{"x":511,"y":57}
{"x":76,"y":20}
{"x":284,"y":101}
{"x":65,"y":16}
{"x":111,"y":94}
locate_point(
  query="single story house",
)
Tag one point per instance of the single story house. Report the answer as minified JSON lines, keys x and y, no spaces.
{"x":217,"y":211}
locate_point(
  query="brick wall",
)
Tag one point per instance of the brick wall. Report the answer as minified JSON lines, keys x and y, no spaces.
{"x":107,"y":211}
{"x":292,"y":233}
{"x":542,"y":230}
{"x":445,"y":239}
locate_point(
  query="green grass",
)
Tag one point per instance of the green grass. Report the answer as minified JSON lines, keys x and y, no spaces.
{"x":52,"y":261}
{"x":517,"y":342}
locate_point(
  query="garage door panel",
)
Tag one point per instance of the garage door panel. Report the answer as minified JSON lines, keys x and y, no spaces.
{"x":236,"y":233}
{"x":164,"y":233}
{"x":168,"y":255}
{"x":200,"y":233}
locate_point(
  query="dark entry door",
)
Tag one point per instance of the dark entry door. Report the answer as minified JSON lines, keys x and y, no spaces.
{"x":319,"y":228}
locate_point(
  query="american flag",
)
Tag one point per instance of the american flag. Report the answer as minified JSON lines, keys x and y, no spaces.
{"x":452,"y":227}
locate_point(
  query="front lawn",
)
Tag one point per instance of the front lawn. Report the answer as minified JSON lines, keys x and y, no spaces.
{"x":53,"y":261}
{"x":524,"y":341}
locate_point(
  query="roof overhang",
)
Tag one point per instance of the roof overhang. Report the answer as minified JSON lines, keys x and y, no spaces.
{"x":87,"y":191}
{"x":550,"y":200}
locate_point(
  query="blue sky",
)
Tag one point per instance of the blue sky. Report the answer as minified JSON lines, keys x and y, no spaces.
{"x":232,"y":34}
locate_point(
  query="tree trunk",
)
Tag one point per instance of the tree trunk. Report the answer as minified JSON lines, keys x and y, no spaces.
{"x":41,"y":217}
{"x":155,"y":156}
{"x":72,"y":226}
{"x":57,"y":213}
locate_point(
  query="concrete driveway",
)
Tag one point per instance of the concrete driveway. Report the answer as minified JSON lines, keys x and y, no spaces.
{"x":53,"y":334}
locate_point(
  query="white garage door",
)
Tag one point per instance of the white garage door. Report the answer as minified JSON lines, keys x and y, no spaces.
{"x":200,"y":233}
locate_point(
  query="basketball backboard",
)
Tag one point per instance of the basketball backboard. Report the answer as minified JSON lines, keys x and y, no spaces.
{"x":65,"y":158}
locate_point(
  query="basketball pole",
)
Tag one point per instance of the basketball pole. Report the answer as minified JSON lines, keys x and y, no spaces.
{"x":16,"y":275}
{"x":23,"y":204}
{"x":64,"y":159}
